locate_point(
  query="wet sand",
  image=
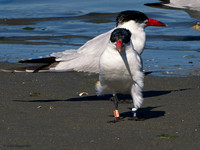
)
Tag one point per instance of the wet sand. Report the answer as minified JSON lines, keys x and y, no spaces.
{"x":44,"y":111}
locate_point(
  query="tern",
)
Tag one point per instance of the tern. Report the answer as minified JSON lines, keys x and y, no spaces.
{"x":120,"y":70}
{"x":192,"y":7}
{"x":114,"y":55}
{"x":86,"y":58}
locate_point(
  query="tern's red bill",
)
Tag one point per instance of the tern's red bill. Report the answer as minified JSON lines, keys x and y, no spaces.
{"x":153,"y":22}
{"x":119,"y":45}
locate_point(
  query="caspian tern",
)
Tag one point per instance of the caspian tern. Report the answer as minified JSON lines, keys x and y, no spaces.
{"x":86,"y":58}
{"x":120,"y":70}
{"x":192,"y":7}
{"x":191,"y":4}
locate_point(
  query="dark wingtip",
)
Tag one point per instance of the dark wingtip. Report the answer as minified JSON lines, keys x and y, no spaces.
{"x":147,"y":73}
{"x":47,"y":60}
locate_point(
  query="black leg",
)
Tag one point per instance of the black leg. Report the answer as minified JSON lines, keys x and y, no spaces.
{"x":116,"y":111}
{"x":115,"y":101}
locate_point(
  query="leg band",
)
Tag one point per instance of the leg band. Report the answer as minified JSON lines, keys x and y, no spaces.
{"x":134,"y":110}
{"x":116,"y":113}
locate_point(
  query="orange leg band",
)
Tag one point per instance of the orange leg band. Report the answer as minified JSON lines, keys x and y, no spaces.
{"x":116,"y":113}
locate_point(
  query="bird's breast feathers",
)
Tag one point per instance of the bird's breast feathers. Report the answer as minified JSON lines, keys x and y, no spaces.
{"x":114,"y":65}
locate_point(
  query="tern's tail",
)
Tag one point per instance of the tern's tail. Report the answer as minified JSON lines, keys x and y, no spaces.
{"x":41,"y":65}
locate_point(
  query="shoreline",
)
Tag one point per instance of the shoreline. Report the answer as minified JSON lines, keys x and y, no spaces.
{"x":44,"y":111}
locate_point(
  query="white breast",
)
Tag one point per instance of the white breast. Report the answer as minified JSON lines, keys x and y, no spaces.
{"x":117,"y":69}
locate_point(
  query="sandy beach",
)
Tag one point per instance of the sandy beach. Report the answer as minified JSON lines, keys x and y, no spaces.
{"x":43,"y":111}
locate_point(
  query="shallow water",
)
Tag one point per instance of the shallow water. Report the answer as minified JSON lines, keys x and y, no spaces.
{"x":37,"y":28}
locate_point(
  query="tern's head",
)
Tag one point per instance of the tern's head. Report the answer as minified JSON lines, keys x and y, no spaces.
{"x":138,"y":18}
{"x":120,"y":37}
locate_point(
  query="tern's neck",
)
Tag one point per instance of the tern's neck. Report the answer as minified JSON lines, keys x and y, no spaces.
{"x":138,"y":36}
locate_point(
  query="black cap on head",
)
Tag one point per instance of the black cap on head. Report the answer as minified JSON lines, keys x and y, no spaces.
{"x":128,"y":15}
{"x":120,"y":34}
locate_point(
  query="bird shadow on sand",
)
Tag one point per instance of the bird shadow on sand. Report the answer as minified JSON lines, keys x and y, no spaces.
{"x":122,"y":98}
{"x":142,"y":113}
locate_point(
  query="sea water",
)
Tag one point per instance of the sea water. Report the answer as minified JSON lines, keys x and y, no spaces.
{"x":32,"y":29}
